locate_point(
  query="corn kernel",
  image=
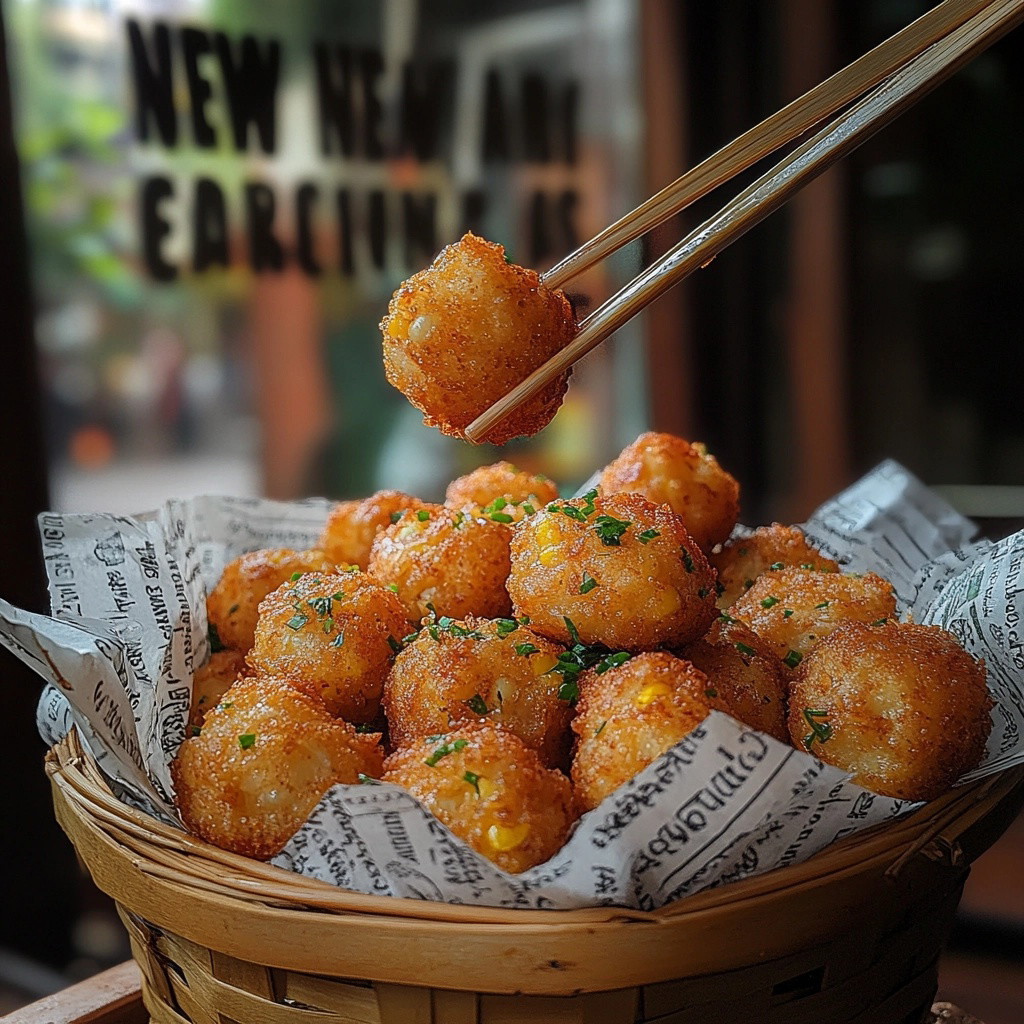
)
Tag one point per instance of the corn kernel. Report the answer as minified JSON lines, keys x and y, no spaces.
{"x":651,"y":692}
{"x":549,"y":557}
{"x":665,"y":602}
{"x":502,"y":838}
{"x":485,"y":787}
{"x":542,"y":663}
{"x":548,"y":533}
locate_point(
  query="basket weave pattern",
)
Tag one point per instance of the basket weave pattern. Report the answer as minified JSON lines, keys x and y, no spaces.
{"x":850,"y":937}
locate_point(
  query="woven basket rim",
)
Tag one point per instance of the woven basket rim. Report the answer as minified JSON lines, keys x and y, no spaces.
{"x":192,"y":863}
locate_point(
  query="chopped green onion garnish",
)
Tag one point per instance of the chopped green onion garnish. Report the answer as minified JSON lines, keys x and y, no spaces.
{"x":793,"y":659}
{"x":769,"y":602}
{"x":246,"y":740}
{"x":588,"y":583}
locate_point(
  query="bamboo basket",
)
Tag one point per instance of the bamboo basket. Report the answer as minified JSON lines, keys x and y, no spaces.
{"x":852,"y":935}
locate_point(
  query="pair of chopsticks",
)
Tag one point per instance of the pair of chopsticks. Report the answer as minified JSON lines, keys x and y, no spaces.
{"x":898,"y":73}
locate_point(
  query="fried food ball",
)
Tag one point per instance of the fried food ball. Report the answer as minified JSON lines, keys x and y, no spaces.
{"x":629,"y":716}
{"x":623,"y":571}
{"x":746,"y":679}
{"x":233,"y":605}
{"x":795,"y":608}
{"x":335,"y":635}
{"x":352,"y":525}
{"x":744,"y":559}
{"x":491,"y":790}
{"x":265,"y":756}
{"x":501,"y":493}
{"x":667,"y":470}
{"x":444,"y":561}
{"x":901,"y":706}
{"x":494,"y":669}
{"x":211,"y":680}
{"x":462,"y":333}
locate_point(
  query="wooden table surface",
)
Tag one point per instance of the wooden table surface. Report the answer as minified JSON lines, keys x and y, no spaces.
{"x":113,"y":997}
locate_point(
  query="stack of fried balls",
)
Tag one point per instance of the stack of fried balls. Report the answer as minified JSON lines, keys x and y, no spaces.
{"x":511,"y":658}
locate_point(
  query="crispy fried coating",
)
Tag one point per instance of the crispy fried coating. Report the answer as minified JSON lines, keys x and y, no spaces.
{"x":795,"y":608}
{"x":211,"y":680}
{"x":233,"y":605}
{"x":667,"y":470}
{"x":746,"y":679}
{"x":491,"y":790}
{"x":901,"y":706}
{"x":445,"y":559}
{"x":335,"y":635}
{"x":462,"y":333}
{"x":624,"y":571}
{"x":629,"y":716}
{"x":266,"y":754}
{"x":480,"y":668}
{"x":743,"y":560}
{"x":352,"y":525}
{"x":501,"y":493}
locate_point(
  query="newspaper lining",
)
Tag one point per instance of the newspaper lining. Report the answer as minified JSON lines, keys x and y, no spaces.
{"x":129,"y":628}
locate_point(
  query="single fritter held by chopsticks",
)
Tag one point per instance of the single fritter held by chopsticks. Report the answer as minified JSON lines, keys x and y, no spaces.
{"x":462,"y":333}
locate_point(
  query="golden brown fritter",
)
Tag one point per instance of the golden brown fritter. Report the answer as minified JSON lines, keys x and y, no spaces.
{"x":461,"y":671}
{"x":629,"y":716}
{"x":667,"y":470}
{"x":745,"y":677}
{"x":500,"y":493}
{"x":333,"y":635}
{"x":445,"y":559}
{"x":624,"y":572}
{"x":462,"y":333}
{"x":491,"y":790}
{"x":795,"y":608}
{"x":212,"y":679}
{"x":266,"y":754}
{"x":352,"y":525}
{"x":902,"y":707}
{"x":233,"y":605}
{"x":742,"y":560}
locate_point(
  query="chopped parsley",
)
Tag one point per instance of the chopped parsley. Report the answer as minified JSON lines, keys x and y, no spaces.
{"x":423,"y":515}
{"x":395,"y":645}
{"x":444,"y":750}
{"x":506,"y":626}
{"x":687,"y":559}
{"x":393,"y":587}
{"x":569,"y":690}
{"x":328,"y":624}
{"x":793,"y":659}
{"x":745,"y":649}
{"x":296,"y":576}
{"x":526,"y":649}
{"x":726,"y":617}
{"x":648,"y":535}
{"x":528,"y":508}
{"x":246,"y":740}
{"x":578,"y":658}
{"x":588,"y":499}
{"x":477,"y":704}
{"x":610,"y":530}
{"x":769,"y":602}
{"x":588,"y":583}
{"x":574,"y":633}
{"x":571,"y":511}
{"x":297,"y":621}
{"x":777,"y":565}
{"x":787,"y":612}
{"x":820,"y":730}
{"x":395,"y":516}
{"x":473,"y":779}
{"x":368,"y":780}
{"x":824,"y":604}
{"x":612,"y":661}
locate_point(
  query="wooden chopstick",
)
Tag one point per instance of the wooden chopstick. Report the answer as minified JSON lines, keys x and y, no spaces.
{"x":782,"y":128}
{"x":886,"y":102}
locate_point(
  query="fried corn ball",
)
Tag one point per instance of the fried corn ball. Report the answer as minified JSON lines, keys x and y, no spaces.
{"x":462,"y":333}
{"x":744,"y":559}
{"x":264,"y":757}
{"x":352,"y":525}
{"x":494,"y":669}
{"x":335,"y":635}
{"x":501,"y":493}
{"x":491,"y":790}
{"x":667,"y":470}
{"x":629,"y":716}
{"x":746,"y":679}
{"x":624,"y":572}
{"x":444,"y":561}
{"x":210,"y":682}
{"x":795,"y":608}
{"x":233,"y":605}
{"x":903,"y":707}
